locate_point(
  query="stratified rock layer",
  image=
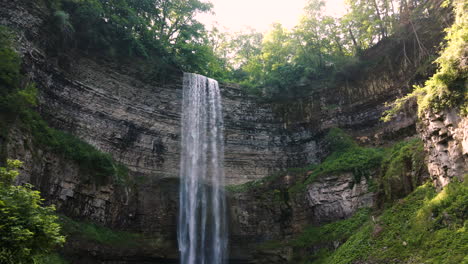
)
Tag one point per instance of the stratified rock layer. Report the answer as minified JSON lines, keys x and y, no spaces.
{"x":445,"y":136}
{"x":121,"y":111}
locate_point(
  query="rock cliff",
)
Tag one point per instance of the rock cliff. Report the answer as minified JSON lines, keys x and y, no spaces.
{"x":446,"y":141}
{"x":136,"y":119}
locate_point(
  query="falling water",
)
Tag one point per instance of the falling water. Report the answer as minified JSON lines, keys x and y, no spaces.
{"x":202,"y":232}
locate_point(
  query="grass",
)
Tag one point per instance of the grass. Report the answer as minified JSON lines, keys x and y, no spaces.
{"x":425,"y":227}
{"x":99,"y":234}
{"x":87,"y":232}
{"x":321,"y":237}
{"x":335,"y":231}
{"x":345,"y":156}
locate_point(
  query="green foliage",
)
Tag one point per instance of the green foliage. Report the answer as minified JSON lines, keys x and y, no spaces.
{"x":337,"y":231}
{"x":402,"y":169}
{"x":163,"y":34}
{"x":50,"y":259}
{"x":425,"y":227}
{"x":448,"y":87}
{"x":16,"y":102}
{"x":91,"y":161}
{"x":345,"y":156}
{"x":28,"y":229}
{"x":10,"y":63}
{"x":9,"y":173}
{"x":325,"y":236}
{"x":339,"y":141}
{"x":99,"y":234}
{"x":60,"y":24}
{"x":320,"y":50}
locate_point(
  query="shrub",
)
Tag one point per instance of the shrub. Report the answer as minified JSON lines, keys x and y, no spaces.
{"x":424,"y":227}
{"x":27,"y":228}
{"x":403,"y":169}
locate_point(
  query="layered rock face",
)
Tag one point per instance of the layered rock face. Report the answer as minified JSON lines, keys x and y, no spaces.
{"x":445,"y":137}
{"x":137,"y":121}
{"x":271,"y":212}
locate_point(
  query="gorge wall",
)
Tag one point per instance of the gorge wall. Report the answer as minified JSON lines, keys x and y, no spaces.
{"x":137,"y":120}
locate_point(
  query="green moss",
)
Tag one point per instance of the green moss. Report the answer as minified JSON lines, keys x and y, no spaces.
{"x":448,"y":87}
{"x":336,"y":231}
{"x":321,"y":236}
{"x":425,"y":227}
{"x":402,"y":169}
{"x":99,"y":234}
{"x":318,"y":236}
{"x":346,"y":156}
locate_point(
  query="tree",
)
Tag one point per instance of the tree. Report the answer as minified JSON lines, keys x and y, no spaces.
{"x":27,"y":228}
{"x":174,"y":21}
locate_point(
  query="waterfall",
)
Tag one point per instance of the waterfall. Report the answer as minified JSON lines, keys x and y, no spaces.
{"x":202,"y":227}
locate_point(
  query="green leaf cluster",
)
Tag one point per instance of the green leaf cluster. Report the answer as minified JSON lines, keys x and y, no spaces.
{"x":338,"y":231}
{"x":322,"y":50}
{"x":163,"y":34}
{"x":403,"y":169}
{"x":27,"y":228}
{"x":99,"y":234}
{"x":345,"y":156}
{"x":448,"y":87}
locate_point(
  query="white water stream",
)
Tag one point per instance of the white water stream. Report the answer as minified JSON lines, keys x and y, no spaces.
{"x":202,"y":227}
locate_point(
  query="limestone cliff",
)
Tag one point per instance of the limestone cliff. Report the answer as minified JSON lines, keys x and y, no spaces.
{"x":136,"y":119}
{"x":446,"y":141}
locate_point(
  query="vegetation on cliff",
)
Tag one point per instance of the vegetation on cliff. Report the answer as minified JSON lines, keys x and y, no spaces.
{"x":164,"y":34}
{"x":345,"y":155}
{"x":448,"y":87}
{"x":18,"y":99}
{"x":403,"y":169}
{"x":90,"y":232}
{"x":395,"y":170}
{"x":29,"y":230}
{"x":281,"y":63}
{"x":424,"y":227}
{"x":322,"y":49}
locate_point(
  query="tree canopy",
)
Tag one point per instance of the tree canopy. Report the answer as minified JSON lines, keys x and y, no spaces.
{"x":318,"y":46}
{"x":168,"y":34}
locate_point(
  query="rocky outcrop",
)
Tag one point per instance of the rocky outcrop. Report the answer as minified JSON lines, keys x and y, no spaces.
{"x":270,"y":212}
{"x":445,"y":136}
{"x":334,"y":197}
{"x":137,"y":120}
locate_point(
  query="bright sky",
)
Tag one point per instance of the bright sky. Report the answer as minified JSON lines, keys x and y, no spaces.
{"x":236,"y":15}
